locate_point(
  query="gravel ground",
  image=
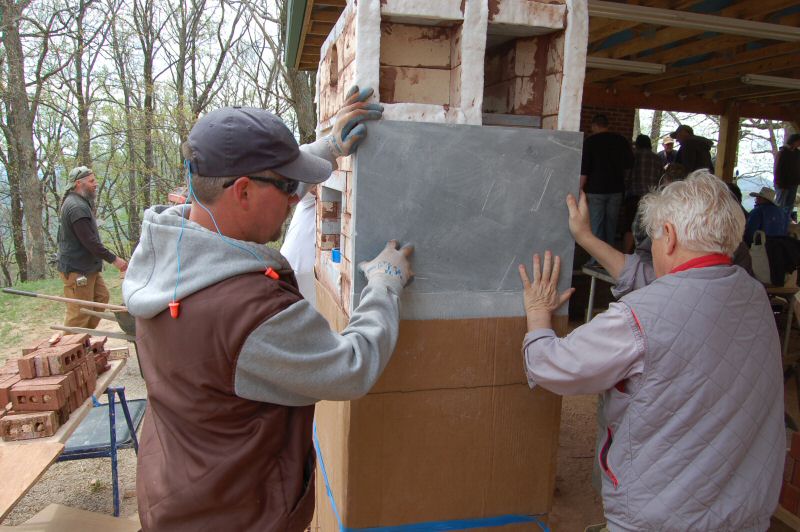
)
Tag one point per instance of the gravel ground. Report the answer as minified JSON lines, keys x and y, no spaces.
{"x":86,"y":484}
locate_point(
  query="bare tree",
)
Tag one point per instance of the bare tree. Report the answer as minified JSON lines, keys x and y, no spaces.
{"x":21,"y":111}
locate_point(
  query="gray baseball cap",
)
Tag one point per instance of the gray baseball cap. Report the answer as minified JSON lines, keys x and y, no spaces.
{"x":238,"y":141}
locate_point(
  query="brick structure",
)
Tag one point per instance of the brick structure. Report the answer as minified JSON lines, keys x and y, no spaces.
{"x":474,"y":62}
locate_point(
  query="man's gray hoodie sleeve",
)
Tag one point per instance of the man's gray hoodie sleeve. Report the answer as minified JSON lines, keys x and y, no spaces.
{"x":295,"y":359}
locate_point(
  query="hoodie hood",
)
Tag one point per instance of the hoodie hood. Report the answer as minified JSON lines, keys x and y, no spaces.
{"x":205,"y":259}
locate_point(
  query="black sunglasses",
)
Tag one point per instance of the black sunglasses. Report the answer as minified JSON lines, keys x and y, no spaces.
{"x":287,"y":186}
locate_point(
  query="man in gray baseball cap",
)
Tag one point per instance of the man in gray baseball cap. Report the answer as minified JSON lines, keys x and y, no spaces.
{"x":233,"y":357}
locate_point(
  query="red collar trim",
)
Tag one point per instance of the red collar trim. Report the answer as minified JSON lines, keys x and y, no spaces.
{"x":715,"y":259}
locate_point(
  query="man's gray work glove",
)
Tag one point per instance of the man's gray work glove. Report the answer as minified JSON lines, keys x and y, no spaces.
{"x":391,"y":266}
{"x":348,"y":130}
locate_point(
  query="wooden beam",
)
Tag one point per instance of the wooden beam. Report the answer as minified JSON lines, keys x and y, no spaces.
{"x":315,"y":40}
{"x":647,"y":41}
{"x":304,"y":32}
{"x":332,"y":3}
{"x":756,"y":61}
{"x":325,"y":16}
{"x":696,"y":21}
{"x":606,"y":27}
{"x":651,"y":40}
{"x":728,"y":145}
{"x":321,"y":29}
{"x":598,"y":95}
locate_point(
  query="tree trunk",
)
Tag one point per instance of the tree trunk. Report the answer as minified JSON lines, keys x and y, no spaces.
{"x":20,"y":120}
{"x":655,"y":129}
{"x":84,"y":131}
{"x":302,"y":86}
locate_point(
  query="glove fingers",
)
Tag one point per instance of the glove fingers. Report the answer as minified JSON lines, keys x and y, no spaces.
{"x":352,"y":91}
{"x":353,"y":138}
{"x":407,"y":250}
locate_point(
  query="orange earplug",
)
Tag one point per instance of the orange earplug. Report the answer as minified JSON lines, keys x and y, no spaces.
{"x":174,"y":309}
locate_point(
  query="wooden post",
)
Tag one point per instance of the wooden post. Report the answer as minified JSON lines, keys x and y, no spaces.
{"x":728,"y":145}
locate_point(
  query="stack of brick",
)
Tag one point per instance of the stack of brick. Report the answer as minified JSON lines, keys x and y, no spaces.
{"x":52,"y":378}
{"x":790,"y":492}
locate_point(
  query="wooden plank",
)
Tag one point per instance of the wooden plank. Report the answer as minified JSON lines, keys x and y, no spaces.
{"x":21,"y":466}
{"x":760,"y":61}
{"x":320,"y":15}
{"x":603,"y":96}
{"x":787,"y":518}
{"x":66,"y":519}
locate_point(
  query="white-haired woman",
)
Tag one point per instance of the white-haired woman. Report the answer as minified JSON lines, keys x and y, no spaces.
{"x":688,"y":362}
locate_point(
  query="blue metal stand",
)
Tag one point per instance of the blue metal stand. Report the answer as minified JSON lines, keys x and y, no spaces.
{"x":89,"y":440}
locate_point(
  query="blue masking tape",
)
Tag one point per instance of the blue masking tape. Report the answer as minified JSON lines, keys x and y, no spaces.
{"x":430,"y":526}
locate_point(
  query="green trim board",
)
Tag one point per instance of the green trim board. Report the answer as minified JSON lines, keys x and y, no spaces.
{"x":294,"y":30}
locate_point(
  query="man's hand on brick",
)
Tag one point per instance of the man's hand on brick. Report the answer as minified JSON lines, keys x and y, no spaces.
{"x":391,"y":265}
{"x":348,"y":129}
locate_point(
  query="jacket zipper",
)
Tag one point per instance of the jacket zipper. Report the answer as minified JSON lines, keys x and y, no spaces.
{"x":604,"y":458}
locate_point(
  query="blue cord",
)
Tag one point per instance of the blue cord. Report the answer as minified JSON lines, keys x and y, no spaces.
{"x":224,"y":238}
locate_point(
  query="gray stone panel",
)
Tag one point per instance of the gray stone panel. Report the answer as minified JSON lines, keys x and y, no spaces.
{"x":475,"y":201}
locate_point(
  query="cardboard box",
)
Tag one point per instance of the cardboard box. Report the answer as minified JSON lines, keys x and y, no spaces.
{"x":451,"y":431}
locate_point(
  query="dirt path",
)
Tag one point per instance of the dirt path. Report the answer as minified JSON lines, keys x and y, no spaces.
{"x":576,"y":504}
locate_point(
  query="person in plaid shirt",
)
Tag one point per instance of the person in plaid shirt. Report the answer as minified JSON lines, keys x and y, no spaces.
{"x":647,"y":170}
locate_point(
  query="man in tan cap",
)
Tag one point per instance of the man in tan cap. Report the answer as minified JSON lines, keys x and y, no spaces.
{"x":80,"y":251}
{"x":766,"y":216}
{"x":668,"y":154}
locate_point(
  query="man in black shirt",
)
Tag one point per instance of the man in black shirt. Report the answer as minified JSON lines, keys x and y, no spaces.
{"x":80,"y":251}
{"x":606,"y":158}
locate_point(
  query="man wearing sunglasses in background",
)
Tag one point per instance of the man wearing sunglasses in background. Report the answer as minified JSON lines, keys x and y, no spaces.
{"x":234,"y":371}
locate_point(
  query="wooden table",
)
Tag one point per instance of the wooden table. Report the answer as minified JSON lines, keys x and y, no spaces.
{"x":22,"y":463}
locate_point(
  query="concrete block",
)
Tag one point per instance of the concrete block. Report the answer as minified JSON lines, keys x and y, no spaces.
{"x":527,"y":13}
{"x":29,"y":426}
{"x":98,"y":344}
{"x":80,"y":339}
{"x":440,"y":10}
{"x":406,"y":45}
{"x":328,"y":210}
{"x":455,"y":47}
{"x":455,"y":87}
{"x":27,"y":398}
{"x":552,"y":93}
{"x":550,"y":122}
{"x":62,"y":359}
{"x":346,"y":43}
{"x":498,"y":98}
{"x":527,"y":99}
{"x":327,"y":242}
{"x":419,"y":85}
{"x":525,"y":54}
{"x":555,"y":54}
{"x":27,"y":366}
{"x":346,"y":224}
{"x":6,"y":383}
